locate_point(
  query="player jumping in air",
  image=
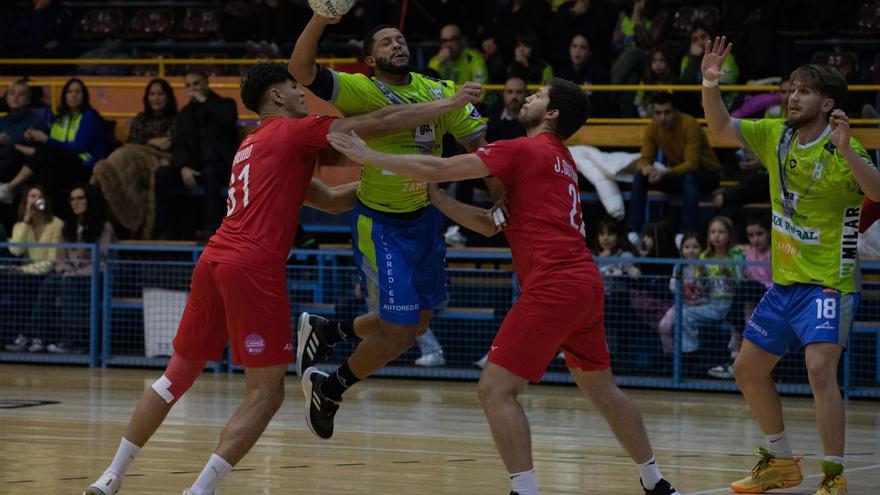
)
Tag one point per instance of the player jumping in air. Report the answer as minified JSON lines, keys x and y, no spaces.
{"x":239,"y":291}
{"x":562,"y":298}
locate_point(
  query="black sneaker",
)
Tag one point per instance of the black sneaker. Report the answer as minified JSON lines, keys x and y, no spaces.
{"x":320,"y":410}
{"x":310,"y":346}
{"x":662,"y":488}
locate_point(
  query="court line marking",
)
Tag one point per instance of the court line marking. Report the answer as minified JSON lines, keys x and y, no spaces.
{"x":726,"y":489}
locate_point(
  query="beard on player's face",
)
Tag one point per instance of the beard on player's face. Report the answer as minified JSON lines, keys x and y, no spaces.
{"x":388,"y":65}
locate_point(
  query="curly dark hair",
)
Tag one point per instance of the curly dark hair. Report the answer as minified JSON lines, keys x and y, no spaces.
{"x":170,"y":107}
{"x":258,"y":80}
{"x":573,"y":105}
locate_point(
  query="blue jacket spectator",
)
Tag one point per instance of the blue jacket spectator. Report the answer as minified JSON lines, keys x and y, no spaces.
{"x":66,"y":154}
{"x":13,"y":125}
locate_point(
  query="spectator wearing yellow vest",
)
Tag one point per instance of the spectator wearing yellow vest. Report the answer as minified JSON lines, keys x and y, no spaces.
{"x":77,"y":138}
{"x":455,"y":61}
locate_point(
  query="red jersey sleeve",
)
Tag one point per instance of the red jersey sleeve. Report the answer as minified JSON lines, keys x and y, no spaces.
{"x":870,"y":214}
{"x":311,"y":131}
{"x":500,"y":158}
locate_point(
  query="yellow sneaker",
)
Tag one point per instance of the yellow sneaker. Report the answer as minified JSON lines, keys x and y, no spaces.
{"x":834,"y":482}
{"x":769,"y":473}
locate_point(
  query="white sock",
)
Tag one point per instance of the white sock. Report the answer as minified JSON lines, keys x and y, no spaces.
{"x":215,"y":470}
{"x":778,"y":445}
{"x":124,"y":456}
{"x":524,"y":483}
{"x":835,"y":459}
{"x":650,"y":473}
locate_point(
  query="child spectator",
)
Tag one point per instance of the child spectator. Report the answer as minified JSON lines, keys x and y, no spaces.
{"x":528,"y":64}
{"x":611,"y":241}
{"x":691,"y":295}
{"x":649,"y":297}
{"x":658,"y":71}
{"x":757,"y":280}
{"x":719,"y":279}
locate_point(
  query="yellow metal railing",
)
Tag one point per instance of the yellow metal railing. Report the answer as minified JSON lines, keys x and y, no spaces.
{"x":160,"y":62}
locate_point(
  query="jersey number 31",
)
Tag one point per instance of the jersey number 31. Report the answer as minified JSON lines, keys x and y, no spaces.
{"x":244,"y":179}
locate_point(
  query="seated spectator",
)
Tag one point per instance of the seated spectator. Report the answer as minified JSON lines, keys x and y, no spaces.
{"x":528,"y":64}
{"x":504,"y":122}
{"x":766,"y":105}
{"x":126,"y":177}
{"x":721,"y":282}
{"x":753,"y":187}
{"x":205,"y":140}
{"x":693,"y":294}
{"x":20,"y":117}
{"x":689,"y":71}
{"x":455,"y":61}
{"x":580,"y":68}
{"x":63,"y":299}
{"x":691,"y":165}
{"x":77,"y":139}
{"x":634,"y":36}
{"x":758,"y":279}
{"x":649,"y":297}
{"x":611,"y":242}
{"x":585,"y":17}
{"x":36,"y":224}
{"x":657,"y":72}
{"x":45,"y":33}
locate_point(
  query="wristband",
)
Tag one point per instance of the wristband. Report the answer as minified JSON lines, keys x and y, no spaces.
{"x":710,"y":83}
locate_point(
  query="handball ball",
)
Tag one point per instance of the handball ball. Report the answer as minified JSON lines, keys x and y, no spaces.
{"x":331,"y":8}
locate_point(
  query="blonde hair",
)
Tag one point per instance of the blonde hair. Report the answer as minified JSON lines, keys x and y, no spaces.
{"x":731,"y":237}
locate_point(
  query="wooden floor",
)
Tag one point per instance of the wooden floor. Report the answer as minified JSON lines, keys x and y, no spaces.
{"x":59,"y":428}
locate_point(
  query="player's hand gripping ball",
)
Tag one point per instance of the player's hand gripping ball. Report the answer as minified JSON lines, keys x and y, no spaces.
{"x":331,"y":8}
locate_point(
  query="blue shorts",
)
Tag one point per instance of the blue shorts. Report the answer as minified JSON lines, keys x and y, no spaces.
{"x":401,"y":263}
{"x":807,"y":313}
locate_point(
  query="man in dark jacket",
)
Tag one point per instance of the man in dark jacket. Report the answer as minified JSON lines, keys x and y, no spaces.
{"x":203,"y":145}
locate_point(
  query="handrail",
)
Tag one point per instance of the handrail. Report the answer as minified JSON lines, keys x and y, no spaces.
{"x":161,"y":62}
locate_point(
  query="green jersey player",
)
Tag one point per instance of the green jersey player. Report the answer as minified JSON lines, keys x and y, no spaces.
{"x":818,"y":176}
{"x":398,"y":246}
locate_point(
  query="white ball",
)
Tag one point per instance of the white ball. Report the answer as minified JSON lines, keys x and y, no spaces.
{"x":331,"y":8}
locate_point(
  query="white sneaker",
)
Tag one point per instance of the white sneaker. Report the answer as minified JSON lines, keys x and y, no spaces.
{"x":20,"y":344}
{"x":108,"y":484}
{"x":431,"y":360}
{"x":722,"y":371}
{"x":36,"y":346}
{"x":5,"y":193}
{"x":190,"y":492}
{"x":454,"y":237}
{"x":481,"y":363}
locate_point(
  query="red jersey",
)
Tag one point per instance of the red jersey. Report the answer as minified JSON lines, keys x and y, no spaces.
{"x":271,"y":173}
{"x":545,"y":229}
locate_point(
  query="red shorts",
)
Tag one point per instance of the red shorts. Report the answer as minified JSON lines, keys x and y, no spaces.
{"x":566,"y":315}
{"x":245,"y":307}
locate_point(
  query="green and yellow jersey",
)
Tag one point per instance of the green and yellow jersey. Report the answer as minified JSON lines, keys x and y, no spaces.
{"x":357,"y":94}
{"x":816,"y":204}
{"x":469,"y":67}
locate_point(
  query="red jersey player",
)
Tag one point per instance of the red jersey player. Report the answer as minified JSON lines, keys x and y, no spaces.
{"x":239,"y":291}
{"x":561,"y":303}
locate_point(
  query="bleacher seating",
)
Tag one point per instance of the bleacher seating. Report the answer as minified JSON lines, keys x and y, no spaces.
{"x":150,"y":24}
{"x":100,"y":24}
{"x":686,"y":16}
{"x":846,"y":62}
{"x":199,"y":24}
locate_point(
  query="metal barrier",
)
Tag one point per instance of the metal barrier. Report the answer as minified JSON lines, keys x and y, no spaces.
{"x":143,"y":288}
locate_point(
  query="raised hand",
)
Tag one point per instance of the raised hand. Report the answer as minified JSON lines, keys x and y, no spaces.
{"x":469,"y":92}
{"x":350,"y":145}
{"x":713,"y":58}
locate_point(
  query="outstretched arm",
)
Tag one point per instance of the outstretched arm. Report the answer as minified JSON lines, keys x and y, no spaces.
{"x":301,"y":64}
{"x":396,"y":118}
{"x":333,"y":200}
{"x":426,"y":168}
{"x":471,"y":217}
{"x":864,"y":171}
{"x":717,"y":117}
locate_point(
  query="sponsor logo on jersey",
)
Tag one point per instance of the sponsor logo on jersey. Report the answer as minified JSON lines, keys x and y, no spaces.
{"x":826,"y":325}
{"x":803,"y":234}
{"x":254,"y":344}
{"x":849,"y":240}
{"x":757,"y":328}
{"x":829,"y":292}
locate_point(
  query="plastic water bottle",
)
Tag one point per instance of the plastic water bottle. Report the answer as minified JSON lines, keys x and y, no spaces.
{"x":40,"y":204}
